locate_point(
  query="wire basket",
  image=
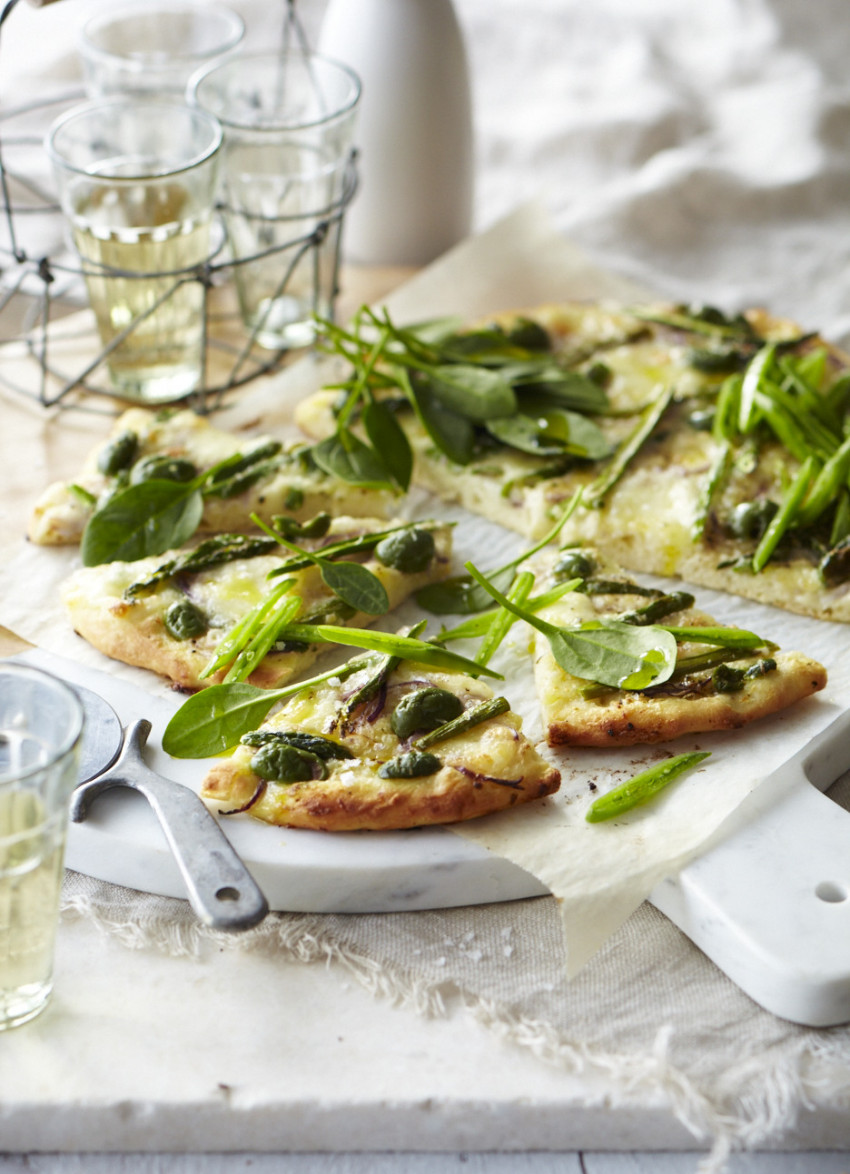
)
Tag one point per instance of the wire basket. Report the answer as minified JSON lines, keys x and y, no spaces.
{"x":45,"y":324}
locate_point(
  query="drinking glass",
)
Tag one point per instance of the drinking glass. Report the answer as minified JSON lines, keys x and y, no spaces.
{"x":41,"y":723}
{"x":153,"y":49}
{"x":288,"y":122}
{"x":137,"y":185}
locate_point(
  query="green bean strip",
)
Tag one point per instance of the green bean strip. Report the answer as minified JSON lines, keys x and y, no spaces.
{"x":244,"y":630}
{"x":716,"y":476}
{"x":482,"y":712}
{"x":598,"y":489}
{"x":786,"y":515}
{"x":478,"y":625}
{"x":829,"y":481}
{"x":636,"y":791}
{"x":725,"y":424}
{"x":752,"y":382}
{"x":841,"y":521}
{"x":262,"y":640}
{"x":503,"y":620}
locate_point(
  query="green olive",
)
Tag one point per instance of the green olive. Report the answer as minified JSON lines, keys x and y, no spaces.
{"x":281,"y":763}
{"x":408,"y":551}
{"x":574,"y":564}
{"x":118,"y":454}
{"x":424,"y":710}
{"x":415,"y":764}
{"x":184,"y":620}
{"x":750,"y":519}
{"x":161,"y":468}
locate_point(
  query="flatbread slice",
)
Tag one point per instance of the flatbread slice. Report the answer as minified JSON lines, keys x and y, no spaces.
{"x":690,"y":498}
{"x":277,"y":478}
{"x":488,"y":768}
{"x":737,"y":689}
{"x":135,"y":627}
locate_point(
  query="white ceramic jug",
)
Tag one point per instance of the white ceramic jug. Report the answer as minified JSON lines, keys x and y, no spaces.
{"x":414,"y":127}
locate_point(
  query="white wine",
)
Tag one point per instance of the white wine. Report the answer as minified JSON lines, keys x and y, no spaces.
{"x":31,"y":869}
{"x":136,"y":244}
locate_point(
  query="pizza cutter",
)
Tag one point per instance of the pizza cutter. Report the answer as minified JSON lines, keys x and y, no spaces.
{"x":219,"y":887}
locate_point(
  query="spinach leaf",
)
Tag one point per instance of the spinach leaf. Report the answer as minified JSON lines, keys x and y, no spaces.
{"x":609,"y":653}
{"x":142,"y":520}
{"x":348,"y":458}
{"x":390,"y":440}
{"x":476,"y":393}
{"x":213,"y":720}
{"x":453,"y":435}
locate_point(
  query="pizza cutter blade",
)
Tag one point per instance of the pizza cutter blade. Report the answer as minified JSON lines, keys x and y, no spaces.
{"x":219,"y":887}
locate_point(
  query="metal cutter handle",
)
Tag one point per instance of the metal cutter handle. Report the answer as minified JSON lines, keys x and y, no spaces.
{"x":219,"y":887}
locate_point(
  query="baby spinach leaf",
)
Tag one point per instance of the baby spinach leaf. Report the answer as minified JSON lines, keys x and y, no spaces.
{"x":353,"y":583}
{"x":390,"y":440}
{"x":609,"y":653}
{"x":453,"y":435}
{"x":476,"y":393}
{"x":345,"y":456}
{"x":142,"y":520}
{"x":213,"y":720}
{"x":544,"y":430}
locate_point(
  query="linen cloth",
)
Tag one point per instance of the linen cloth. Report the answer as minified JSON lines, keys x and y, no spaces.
{"x":702,"y":150}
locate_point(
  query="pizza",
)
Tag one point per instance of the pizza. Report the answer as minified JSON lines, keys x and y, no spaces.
{"x":428,"y":747}
{"x":255,"y":475}
{"x":707,"y":447}
{"x":171,"y":614}
{"x":711,"y":688}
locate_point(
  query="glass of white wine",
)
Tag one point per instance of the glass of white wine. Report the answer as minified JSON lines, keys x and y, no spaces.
{"x":41,"y":725}
{"x":137,"y":185}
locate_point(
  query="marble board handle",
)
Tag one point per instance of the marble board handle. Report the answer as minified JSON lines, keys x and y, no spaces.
{"x":770,"y":904}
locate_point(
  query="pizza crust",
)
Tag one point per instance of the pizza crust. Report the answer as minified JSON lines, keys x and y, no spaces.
{"x":60,"y":514}
{"x":488,"y":769}
{"x":646,"y":520}
{"x":628,"y":718}
{"x":134,"y":631}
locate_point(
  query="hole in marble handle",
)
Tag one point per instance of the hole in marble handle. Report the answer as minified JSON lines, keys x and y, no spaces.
{"x":227,"y":894}
{"x":831,"y":892}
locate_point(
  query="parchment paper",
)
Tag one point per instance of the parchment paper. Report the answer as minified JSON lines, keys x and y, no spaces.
{"x":599,"y":873}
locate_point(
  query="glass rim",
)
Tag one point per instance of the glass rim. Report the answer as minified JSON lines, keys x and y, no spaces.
{"x":138,"y":108}
{"x":266,"y":127}
{"x":109,"y":17}
{"x":77,"y":713}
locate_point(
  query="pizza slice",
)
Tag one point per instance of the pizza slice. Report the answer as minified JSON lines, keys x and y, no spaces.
{"x":261,"y":475}
{"x":172,"y":614}
{"x":712,"y":687}
{"x":388,"y":748}
{"x":707,"y":446}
